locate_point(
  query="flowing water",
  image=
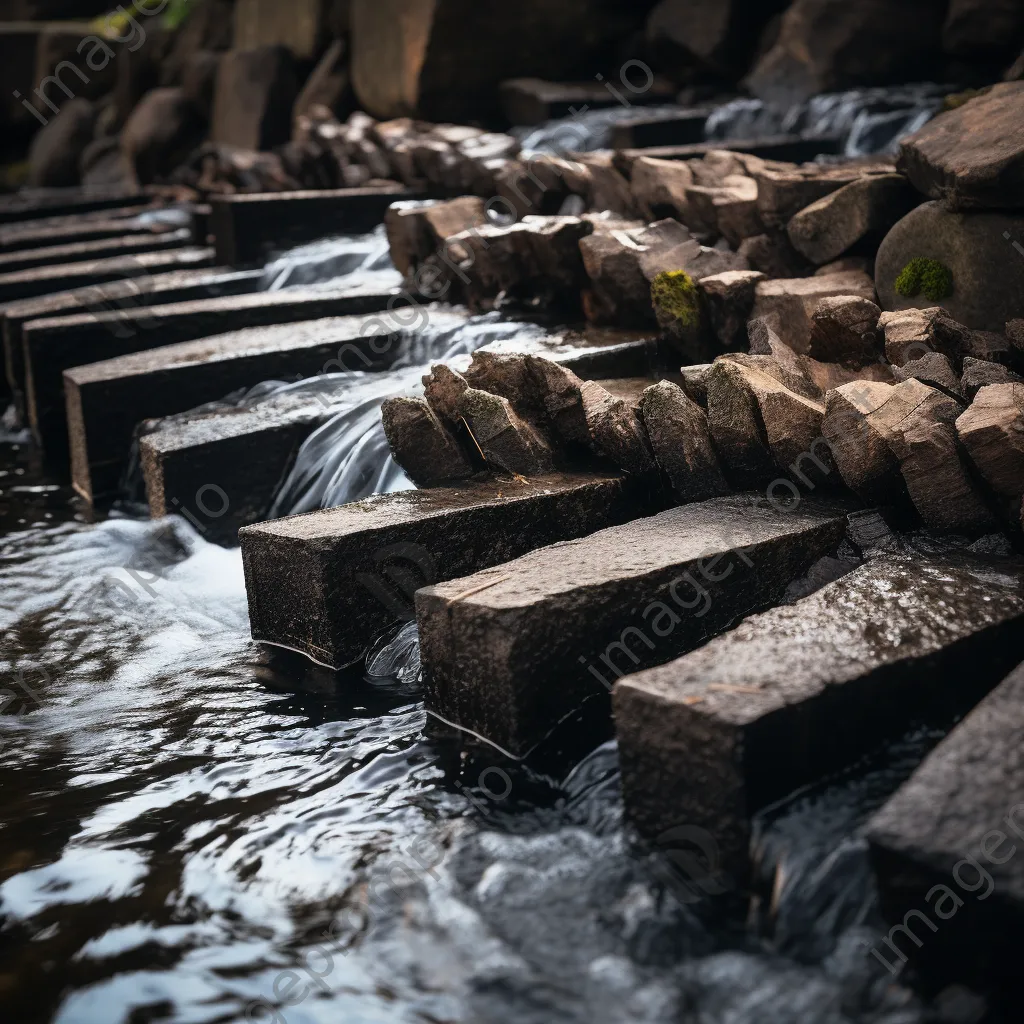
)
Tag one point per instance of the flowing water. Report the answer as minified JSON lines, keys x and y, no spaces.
{"x":194,"y":832}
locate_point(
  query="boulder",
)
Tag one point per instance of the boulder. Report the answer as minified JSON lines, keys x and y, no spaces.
{"x":861,"y":212}
{"x":913,"y":333}
{"x":421,"y":444}
{"x":979,"y":373}
{"x":773,"y":255}
{"x":695,"y":382}
{"x":980,"y":277}
{"x":983,"y":29}
{"x":443,"y":389}
{"x":103,"y":165}
{"x":678,"y":431}
{"x":783,"y":190}
{"x":829,"y":45}
{"x":992,"y":433}
{"x":160,"y":133}
{"x":507,"y":374}
{"x":253,"y":98}
{"x":972,"y":157}
{"x":789,"y":303}
{"x":56,"y":150}
{"x":845,"y":330}
{"x":616,"y":432}
{"x":728,"y":299}
{"x":933,"y":369}
{"x":560,"y":394}
{"x":879,"y":433}
{"x":729,"y":209}
{"x":418,"y":229}
{"x":507,"y":442}
{"x":659,"y":187}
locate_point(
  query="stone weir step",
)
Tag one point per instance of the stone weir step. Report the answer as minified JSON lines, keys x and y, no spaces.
{"x":27,"y":284}
{"x":247,"y":228}
{"x":948,"y":853}
{"x":83,"y":228}
{"x":100,"y":248}
{"x":787,"y":696}
{"x":329,"y":584}
{"x":248,"y":451}
{"x":509,"y":652}
{"x":105,"y":400}
{"x":32,"y":204}
{"x":55,"y":344}
{"x":111,"y":297}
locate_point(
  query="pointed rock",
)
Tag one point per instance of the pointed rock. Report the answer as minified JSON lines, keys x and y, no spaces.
{"x":678,"y":431}
{"x":980,"y":372}
{"x":616,"y":432}
{"x":912,"y":333}
{"x":728,"y":299}
{"x":992,"y":432}
{"x":444,"y":388}
{"x":421,"y":444}
{"x":560,"y":393}
{"x":506,"y":441}
{"x":933,"y":369}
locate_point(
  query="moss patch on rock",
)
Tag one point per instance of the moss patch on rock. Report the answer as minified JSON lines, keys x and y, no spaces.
{"x":676,"y":301}
{"x":925,"y":276}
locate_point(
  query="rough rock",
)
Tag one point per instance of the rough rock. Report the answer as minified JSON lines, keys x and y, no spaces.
{"x":783,"y":190}
{"x":913,"y":333}
{"x":845,"y":330}
{"x":421,"y":444}
{"x":829,"y":45}
{"x":728,"y":299}
{"x":933,"y":369}
{"x":560,"y":393}
{"x":992,"y":433}
{"x":880,"y":433}
{"x":980,"y":372}
{"x":808,"y":688}
{"x":160,"y":133}
{"x":616,"y":431}
{"x":552,"y":629}
{"x":728,"y":209}
{"x":861,"y":212}
{"x":678,"y":431}
{"x":984,"y":29}
{"x":443,"y":389}
{"x":659,"y":187}
{"x":506,"y":441}
{"x":972,"y":156}
{"x":946,"y":851}
{"x":789,"y":303}
{"x":695,"y":382}
{"x":254,"y":96}
{"x":58,"y":147}
{"x":418,"y":229}
{"x":977,"y":249}
{"x":531,"y":101}
{"x":773,"y":255}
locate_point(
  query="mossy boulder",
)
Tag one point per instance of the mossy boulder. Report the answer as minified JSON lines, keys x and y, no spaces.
{"x":968,"y":258}
{"x":680,"y":313}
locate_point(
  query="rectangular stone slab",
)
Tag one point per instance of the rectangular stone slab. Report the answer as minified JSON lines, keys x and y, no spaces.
{"x":124,"y":295}
{"x":680,"y":128}
{"x":105,"y":400}
{"x":31,"y":204}
{"x":78,"y":252}
{"x":247,"y":228}
{"x":509,"y":652}
{"x":328,"y":584}
{"x":19,"y":237}
{"x":966,"y":800}
{"x":801,"y":690}
{"x":53,"y":345}
{"x":26,"y":284}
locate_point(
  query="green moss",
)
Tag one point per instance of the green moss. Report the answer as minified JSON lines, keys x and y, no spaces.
{"x":927,"y":276}
{"x":676,"y":301}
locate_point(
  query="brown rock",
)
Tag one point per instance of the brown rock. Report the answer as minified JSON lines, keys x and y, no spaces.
{"x":845,"y":330}
{"x":1015,"y":333}
{"x":506,"y":441}
{"x":912,"y":333}
{"x":773,"y":255}
{"x":254,"y":96}
{"x":695,"y":382}
{"x":933,"y":369}
{"x":728,"y":209}
{"x":679,"y":435}
{"x":160,"y":133}
{"x":560,"y":393}
{"x":983,"y":29}
{"x":864,"y":264}
{"x":862,"y":211}
{"x":421,"y":444}
{"x":659,"y":187}
{"x":972,"y":156}
{"x":57,"y":149}
{"x":979,"y":373}
{"x":728,"y":300}
{"x":992,"y":432}
{"x":418,"y":229}
{"x":507,"y":374}
{"x":443,"y":389}
{"x":790,"y":303}
{"x":616,"y":432}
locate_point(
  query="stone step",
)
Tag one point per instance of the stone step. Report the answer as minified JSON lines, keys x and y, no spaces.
{"x":13,"y":234}
{"x":249,"y":451}
{"x":678,"y":128}
{"x":125,"y":294}
{"x":27,"y":284}
{"x":948,"y":857}
{"x":709,"y":739}
{"x":106,"y":399}
{"x":532,"y":101}
{"x":792,"y":148}
{"x":32,"y":204}
{"x":328,"y":584}
{"x":509,"y":652}
{"x":80,"y":252}
{"x":56,"y":344}
{"x":248,"y":227}
{"x":75,"y":230}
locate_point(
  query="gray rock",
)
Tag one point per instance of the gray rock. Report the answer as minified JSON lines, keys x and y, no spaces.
{"x":421,"y":444}
{"x":773,"y":255}
{"x":728,"y":300}
{"x":789,"y":695}
{"x":695,"y":382}
{"x":978,"y":373}
{"x":934,"y":369}
{"x":507,"y":442}
{"x":616,"y":431}
{"x":160,"y":133}
{"x":845,"y":330}
{"x":976,"y":247}
{"x":509,"y":652}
